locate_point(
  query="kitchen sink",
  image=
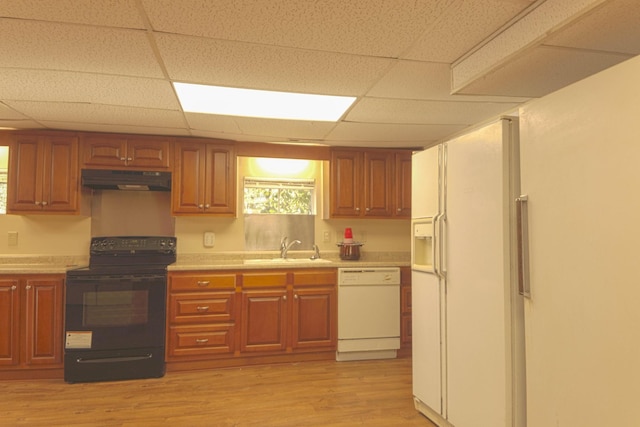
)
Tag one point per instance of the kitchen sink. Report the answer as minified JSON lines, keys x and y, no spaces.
{"x":285,"y":261}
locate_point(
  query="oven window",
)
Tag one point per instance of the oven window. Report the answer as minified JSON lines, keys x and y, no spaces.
{"x":115,"y":308}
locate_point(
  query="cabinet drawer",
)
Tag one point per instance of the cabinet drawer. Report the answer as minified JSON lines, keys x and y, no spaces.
{"x":202,"y":307}
{"x":199,"y":340}
{"x":253,"y":280}
{"x":201,"y":282}
{"x":315,"y":277}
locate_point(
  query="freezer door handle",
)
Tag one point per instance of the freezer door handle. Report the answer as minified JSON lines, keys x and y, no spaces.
{"x":438,"y":245}
{"x":522,"y":237}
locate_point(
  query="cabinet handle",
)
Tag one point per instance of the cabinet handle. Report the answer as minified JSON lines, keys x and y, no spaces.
{"x":14,"y":287}
{"x":200,"y":206}
{"x":357,"y":209}
{"x":123,"y":159}
{"x":399,"y":209}
{"x":44,"y":203}
{"x":129,"y":159}
{"x":295,"y":296}
{"x":203,"y":283}
{"x":207,"y":206}
{"x":202,"y":340}
{"x":203,"y":308}
{"x":37,"y":203}
{"x":367,"y":209}
{"x":27,"y":287}
{"x":284,"y":298}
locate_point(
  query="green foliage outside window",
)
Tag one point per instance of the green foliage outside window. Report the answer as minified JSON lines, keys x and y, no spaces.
{"x":278,"y":198}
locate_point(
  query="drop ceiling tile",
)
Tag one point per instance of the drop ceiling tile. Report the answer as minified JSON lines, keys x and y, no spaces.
{"x":212,"y":122}
{"x":98,"y":114}
{"x":424,"y":80}
{"x":7,"y":113}
{"x":381,"y":110}
{"x":614,"y":28}
{"x":112,"y":13}
{"x":64,"y":86}
{"x":401,"y":135}
{"x":20,"y":124}
{"x":284,"y":130}
{"x":543,"y":70}
{"x":462,"y":26}
{"x":28,"y":44}
{"x":91,"y":127}
{"x":364,"y":27}
{"x":224,"y":63}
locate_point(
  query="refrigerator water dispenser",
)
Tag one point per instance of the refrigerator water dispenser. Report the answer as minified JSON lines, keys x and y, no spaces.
{"x":422,"y":255}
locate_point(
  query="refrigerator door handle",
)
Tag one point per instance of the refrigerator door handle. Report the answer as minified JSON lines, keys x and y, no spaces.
{"x":438,"y":249}
{"x":522,"y":238}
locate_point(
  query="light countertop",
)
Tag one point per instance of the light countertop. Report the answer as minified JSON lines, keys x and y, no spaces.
{"x":46,"y":264}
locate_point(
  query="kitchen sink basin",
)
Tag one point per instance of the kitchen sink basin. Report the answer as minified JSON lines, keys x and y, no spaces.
{"x":285,"y":261}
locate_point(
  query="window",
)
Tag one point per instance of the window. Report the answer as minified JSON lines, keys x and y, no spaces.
{"x":278,"y":196}
{"x":3,"y":191}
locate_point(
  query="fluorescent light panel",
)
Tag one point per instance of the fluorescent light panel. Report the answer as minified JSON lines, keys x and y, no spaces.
{"x":230,"y":101}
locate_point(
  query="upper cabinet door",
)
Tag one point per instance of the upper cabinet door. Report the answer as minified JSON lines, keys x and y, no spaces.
{"x":104,"y":150}
{"x":402,"y":186}
{"x":370,"y":184}
{"x":43,"y":174}
{"x":148,"y":153}
{"x":346,"y":183}
{"x":187,"y":190}
{"x":378,"y":179}
{"x":125,"y":151}
{"x":60,"y":185}
{"x":204,"y":179}
{"x":220,"y":180}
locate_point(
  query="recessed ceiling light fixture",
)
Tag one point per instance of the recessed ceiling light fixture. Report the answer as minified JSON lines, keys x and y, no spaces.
{"x":261,"y":103}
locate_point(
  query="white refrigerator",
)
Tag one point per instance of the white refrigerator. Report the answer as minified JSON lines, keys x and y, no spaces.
{"x":468,"y":364}
{"x":580,"y":150}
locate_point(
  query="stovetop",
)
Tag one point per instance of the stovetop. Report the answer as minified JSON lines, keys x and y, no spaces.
{"x":118,"y":255}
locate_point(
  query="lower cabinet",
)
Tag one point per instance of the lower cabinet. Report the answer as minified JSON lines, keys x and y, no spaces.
{"x":31,"y":317}
{"x":250,"y":316}
{"x":201,"y":315}
{"x":288,"y":312}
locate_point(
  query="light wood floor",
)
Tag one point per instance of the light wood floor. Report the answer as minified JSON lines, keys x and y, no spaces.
{"x":328,"y":393}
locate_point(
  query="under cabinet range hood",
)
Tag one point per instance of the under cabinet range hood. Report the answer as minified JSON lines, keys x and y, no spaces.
{"x":126,"y":180}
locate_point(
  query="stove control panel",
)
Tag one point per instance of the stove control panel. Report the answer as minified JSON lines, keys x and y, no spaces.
{"x":133,"y":244}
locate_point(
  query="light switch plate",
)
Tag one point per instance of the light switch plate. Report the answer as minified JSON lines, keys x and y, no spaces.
{"x":12,"y":238}
{"x":209,"y":240}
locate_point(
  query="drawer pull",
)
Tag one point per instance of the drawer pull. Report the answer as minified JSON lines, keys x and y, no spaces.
{"x":202,"y":308}
{"x":203,"y":283}
{"x":202,"y":340}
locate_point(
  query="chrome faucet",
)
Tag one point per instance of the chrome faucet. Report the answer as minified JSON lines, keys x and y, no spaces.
{"x":284,"y":246}
{"x":316,"y":254}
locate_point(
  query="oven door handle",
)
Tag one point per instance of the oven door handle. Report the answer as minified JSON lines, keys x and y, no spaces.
{"x":114,"y":359}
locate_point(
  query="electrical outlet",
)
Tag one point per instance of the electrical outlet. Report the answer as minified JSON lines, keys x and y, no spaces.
{"x":12,"y":238}
{"x":209,"y":239}
{"x":326,"y":237}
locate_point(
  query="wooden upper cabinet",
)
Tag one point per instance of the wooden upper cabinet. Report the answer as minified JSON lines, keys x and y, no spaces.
{"x":125,"y":152}
{"x":370,"y":184}
{"x":204,"y":179}
{"x":402,"y":185}
{"x":43,"y":174}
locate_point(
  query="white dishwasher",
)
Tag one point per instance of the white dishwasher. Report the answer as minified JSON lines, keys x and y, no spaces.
{"x":368,"y":313}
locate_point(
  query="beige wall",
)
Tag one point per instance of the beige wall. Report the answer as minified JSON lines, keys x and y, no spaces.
{"x":70,"y":235}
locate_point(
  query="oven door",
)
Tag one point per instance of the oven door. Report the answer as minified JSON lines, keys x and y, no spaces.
{"x":112,"y":312}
